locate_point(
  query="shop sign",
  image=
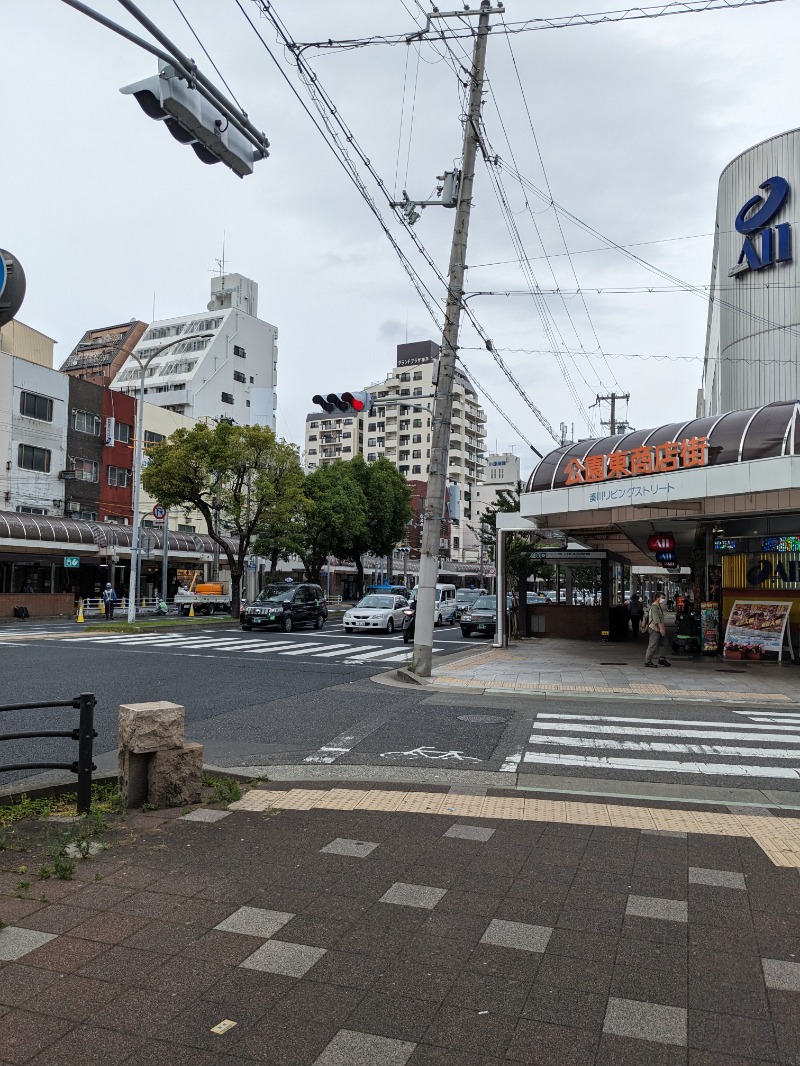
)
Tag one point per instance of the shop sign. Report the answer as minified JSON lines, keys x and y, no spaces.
{"x":648,"y":459}
{"x":661,"y":542}
{"x":764,"y":569}
{"x":763,"y":246}
{"x":666,"y":557}
{"x":755,"y":628}
{"x":71,"y":562}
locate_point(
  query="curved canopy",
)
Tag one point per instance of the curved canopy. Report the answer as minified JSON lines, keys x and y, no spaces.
{"x":53,"y":530}
{"x":734,"y":437}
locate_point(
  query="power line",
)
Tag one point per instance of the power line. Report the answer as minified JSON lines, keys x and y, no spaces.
{"x":206,"y":52}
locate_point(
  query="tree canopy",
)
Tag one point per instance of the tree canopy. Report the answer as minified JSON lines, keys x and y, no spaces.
{"x":243,"y":474}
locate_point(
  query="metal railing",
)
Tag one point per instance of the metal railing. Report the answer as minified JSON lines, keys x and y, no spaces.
{"x":84,"y":734}
{"x":95,"y":605}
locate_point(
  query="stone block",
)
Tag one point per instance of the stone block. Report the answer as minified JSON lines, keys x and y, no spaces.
{"x":145,"y":727}
{"x":133,"y":778}
{"x":175,"y":776}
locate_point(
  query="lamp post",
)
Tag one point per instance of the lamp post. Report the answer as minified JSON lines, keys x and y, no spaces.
{"x":137,"y":461}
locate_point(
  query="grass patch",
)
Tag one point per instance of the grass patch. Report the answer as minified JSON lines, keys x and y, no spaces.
{"x":157,"y":623}
{"x":224,"y":789}
{"x":105,"y":800}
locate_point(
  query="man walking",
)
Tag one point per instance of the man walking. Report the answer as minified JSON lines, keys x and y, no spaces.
{"x":657,"y":631}
{"x":109,"y":600}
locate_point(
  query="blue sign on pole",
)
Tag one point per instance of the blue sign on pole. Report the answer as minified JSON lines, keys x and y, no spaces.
{"x":3,"y":274}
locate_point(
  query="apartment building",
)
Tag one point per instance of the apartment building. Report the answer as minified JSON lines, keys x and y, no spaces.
{"x":399,"y":428}
{"x":231,"y":373}
{"x":25,"y":342}
{"x":100,"y":353}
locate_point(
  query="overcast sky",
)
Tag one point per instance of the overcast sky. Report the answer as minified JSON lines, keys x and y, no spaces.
{"x":113,"y":219}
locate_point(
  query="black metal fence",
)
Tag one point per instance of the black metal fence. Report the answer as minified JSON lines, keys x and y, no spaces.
{"x":84,"y":734}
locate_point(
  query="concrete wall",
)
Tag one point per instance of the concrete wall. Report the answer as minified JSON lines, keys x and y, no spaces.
{"x":571,"y":623}
{"x":39,"y":604}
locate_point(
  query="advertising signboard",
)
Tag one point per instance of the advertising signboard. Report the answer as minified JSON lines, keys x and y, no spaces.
{"x":709,"y":627}
{"x":756,"y":627}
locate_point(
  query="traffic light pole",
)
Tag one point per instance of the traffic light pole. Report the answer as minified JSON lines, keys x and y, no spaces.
{"x":433,"y":512}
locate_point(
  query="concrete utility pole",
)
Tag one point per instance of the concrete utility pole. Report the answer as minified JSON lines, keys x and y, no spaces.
{"x":612,"y":401}
{"x":433,"y":512}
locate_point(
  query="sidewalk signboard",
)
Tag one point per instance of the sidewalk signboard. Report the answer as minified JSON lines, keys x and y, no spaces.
{"x":758,"y":626}
{"x":709,"y":627}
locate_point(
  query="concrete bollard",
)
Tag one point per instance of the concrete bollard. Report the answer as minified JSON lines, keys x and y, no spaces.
{"x":155,"y":764}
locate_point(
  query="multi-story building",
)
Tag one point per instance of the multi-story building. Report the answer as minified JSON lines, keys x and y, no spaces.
{"x":100,"y":353}
{"x":230,"y":374}
{"x":399,"y":428}
{"x":33,"y":439}
{"x":502,"y":473}
{"x":25,"y":342}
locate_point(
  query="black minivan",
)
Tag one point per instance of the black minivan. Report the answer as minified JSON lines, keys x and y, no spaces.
{"x":286,"y":606}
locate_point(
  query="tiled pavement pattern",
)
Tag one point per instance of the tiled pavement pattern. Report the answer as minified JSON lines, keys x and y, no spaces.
{"x":431,"y":949}
{"x":592,"y":669}
{"x":778,"y":837}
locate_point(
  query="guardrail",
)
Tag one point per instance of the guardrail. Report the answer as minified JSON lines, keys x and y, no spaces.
{"x":84,"y":735}
{"x":95,"y":605}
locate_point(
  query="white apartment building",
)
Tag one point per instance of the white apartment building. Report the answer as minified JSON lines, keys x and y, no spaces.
{"x":33,"y":437}
{"x":231,"y":374}
{"x":502,"y":472}
{"x":399,"y":429}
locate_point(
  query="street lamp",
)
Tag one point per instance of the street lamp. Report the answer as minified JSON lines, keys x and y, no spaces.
{"x":137,"y":462}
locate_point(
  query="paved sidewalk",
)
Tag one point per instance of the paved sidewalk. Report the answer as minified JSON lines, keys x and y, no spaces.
{"x":551,"y":666}
{"x":356,"y":927}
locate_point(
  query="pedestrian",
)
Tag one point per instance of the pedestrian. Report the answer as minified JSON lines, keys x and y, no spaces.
{"x":636,"y":613}
{"x":109,"y":599}
{"x":657,"y":633}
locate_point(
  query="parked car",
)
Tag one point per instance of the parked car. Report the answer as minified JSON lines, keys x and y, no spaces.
{"x":376,"y":611}
{"x":534,"y":597}
{"x":444,"y":608}
{"x":482,"y":616}
{"x":286,"y":606}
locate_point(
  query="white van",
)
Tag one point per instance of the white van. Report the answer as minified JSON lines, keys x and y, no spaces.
{"x":444,"y":608}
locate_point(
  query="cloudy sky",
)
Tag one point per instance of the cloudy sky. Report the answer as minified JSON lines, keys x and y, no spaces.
{"x":630,"y":125}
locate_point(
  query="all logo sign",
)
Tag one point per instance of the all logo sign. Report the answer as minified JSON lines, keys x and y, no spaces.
{"x":763,"y":245}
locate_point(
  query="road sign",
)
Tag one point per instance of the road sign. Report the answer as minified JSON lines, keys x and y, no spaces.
{"x":489,"y":571}
{"x":3,"y":274}
{"x":159,"y":512}
{"x":72,"y":561}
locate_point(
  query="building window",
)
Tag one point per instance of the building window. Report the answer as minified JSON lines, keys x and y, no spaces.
{"x":418,"y":392}
{"x":32,"y":405}
{"x":86,"y":422}
{"x":119,"y":477}
{"x":372,"y":442}
{"x":372,"y":427}
{"x":85,"y":469}
{"x":252,"y":380}
{"x":407,"y":392}
{"x":416,"y":438}
{"x":347,"y":448}
{"x":456,"y":542}
{"x":403,"y":470}
{"x":312,"y":451}
{"x":239,"y":376}
{"x":186,"y":529}
{"x":417,"y":375}
{"x":405,"y":377}
{"x":402,"y":456}
{"x":152,"y":438}
{"x":313,"y":425}
{"x":416,"y":469}
{"x":404,"y":441}
{"x":31,"y":510}
{"x":122,"y":433}
{"x":347,"y":434}
{"x":372,"y":457}
{"x":417,"y":423}
{"x":416,"y":454}
{"x":312,"y":436}
{"x":227,"y":397}
{"x":238,"y":350}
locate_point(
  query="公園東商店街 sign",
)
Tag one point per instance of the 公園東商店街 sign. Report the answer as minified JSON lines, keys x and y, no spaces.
{"x":646,"y":459}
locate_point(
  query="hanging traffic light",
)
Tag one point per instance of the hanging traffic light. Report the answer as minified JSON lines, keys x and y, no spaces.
{"x":346,"y":402}
{"x":193,"y":120}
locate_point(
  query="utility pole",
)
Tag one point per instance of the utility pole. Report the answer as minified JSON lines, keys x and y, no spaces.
{"x":433,"y":511}
{"x":611,"y":399}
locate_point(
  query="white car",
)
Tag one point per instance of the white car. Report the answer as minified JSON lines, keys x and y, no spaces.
{"x":376,"y":612}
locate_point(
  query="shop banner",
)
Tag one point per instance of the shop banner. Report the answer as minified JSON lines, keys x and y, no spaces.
{"x":709,"y":626}
{"x":756,"y":627}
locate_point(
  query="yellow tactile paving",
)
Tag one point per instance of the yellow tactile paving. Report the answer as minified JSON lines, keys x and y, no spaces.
{"x":463,"y":806}
{"x":779,"y":838}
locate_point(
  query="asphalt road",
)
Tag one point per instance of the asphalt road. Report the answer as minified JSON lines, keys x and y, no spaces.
{"x":264,"y":698}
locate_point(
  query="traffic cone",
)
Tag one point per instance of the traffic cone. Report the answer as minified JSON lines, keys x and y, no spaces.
{"x":191,"y":610}
{"x":80,"y":610}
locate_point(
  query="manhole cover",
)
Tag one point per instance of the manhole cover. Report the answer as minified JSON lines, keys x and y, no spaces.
{"x":481,"y":719}
{"x":613,"y":664}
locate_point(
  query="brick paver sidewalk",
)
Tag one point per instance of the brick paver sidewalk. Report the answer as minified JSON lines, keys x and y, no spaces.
{"x":348,"y":937}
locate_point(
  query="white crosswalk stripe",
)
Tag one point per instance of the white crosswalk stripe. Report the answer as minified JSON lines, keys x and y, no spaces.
{"x":298,"y":645}
{"x":768,"y":747}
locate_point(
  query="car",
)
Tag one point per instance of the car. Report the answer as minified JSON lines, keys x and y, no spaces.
{"x":482,"y":616}
{"x":444,"y":607}
{"x":286,"y":607}
{"x":376,"y":611}
{"x":465,"y":599}
{"x":388,"y":590}
{"x":534,"y":598}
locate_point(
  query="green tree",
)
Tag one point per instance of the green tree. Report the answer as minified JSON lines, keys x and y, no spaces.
{"x":519,"y":546}
{"x":279,"y":533}
{"x":332,"y":518}
{"x":241,"y":474}
{"x":387,"y":495}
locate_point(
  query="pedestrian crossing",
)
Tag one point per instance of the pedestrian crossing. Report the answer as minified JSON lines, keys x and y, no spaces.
{"x":297,"y":647}
{"x":756,"y":745}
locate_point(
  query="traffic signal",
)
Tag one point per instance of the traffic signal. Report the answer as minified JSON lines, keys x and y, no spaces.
{"x":192,"y":120}
{"x":346,"y":402}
